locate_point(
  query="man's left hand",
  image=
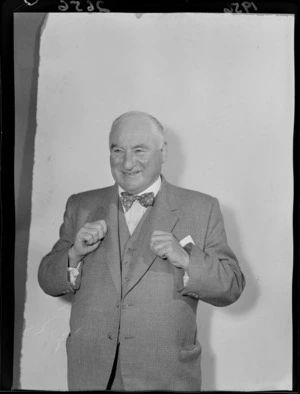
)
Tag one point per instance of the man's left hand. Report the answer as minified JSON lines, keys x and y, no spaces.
{"x":166,"y":246}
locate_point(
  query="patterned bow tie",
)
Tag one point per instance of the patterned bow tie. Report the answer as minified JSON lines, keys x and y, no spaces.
{"x":145,"y":199}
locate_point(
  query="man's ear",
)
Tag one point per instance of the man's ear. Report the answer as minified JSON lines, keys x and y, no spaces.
{"x":164,"y":151}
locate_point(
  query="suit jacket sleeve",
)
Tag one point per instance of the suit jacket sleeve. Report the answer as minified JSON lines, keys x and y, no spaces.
{"x":53,"y":269}
{"x":214,"y":273}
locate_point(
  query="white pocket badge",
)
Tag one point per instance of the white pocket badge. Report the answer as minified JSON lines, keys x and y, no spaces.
{"x":182,"y":243}
{"x":186,"y":241}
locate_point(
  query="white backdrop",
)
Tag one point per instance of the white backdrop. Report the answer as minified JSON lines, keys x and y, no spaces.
{"x":222,"y":85}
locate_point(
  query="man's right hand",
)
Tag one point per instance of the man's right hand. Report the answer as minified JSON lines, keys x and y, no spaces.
{"x":86,"y":241}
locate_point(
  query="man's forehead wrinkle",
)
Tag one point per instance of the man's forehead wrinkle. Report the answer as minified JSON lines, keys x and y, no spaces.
{"x":135,"y":125}
{"x":140,"y":135}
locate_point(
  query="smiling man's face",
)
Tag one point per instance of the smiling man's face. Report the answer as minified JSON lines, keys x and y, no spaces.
{"x":137,"y":153}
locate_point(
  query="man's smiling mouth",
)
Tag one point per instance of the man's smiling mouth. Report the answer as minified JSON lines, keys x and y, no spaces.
{"x":131,"y":173}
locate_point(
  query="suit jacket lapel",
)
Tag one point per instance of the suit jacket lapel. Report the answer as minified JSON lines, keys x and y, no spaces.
{"x":163,"y":217}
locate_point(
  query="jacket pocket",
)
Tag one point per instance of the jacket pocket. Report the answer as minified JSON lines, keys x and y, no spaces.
{"x":190,"y":352}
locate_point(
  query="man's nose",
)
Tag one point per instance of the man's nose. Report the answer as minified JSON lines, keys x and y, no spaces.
{"x":129,"y":161}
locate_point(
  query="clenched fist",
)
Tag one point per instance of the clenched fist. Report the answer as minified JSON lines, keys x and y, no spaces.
{"x":87,"y":240}
{"x":166,"y":246}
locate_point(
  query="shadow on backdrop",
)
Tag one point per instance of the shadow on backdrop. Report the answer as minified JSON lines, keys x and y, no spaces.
{"x":249,"y":297}
{"x":242,"y":306}
{"x":27,"y":32}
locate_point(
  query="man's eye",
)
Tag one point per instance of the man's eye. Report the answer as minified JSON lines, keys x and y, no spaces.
{"x":116,"y":151}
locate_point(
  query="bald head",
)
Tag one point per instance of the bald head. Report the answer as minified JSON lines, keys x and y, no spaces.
{"x":139,"y":120}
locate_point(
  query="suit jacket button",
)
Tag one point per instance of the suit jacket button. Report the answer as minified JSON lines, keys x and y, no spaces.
{"x":109,"y":335}
{"x":125,"y":306}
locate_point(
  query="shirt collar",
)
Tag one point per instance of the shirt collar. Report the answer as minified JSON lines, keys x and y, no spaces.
{"x":153,"y":188}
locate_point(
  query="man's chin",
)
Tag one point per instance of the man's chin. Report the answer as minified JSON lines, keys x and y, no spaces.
{"x":132,"y":185}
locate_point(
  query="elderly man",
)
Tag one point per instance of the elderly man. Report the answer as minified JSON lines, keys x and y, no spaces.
{"x":138,"y":256}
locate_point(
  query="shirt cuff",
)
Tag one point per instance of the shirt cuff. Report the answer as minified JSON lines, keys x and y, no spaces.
{"x":73,"y":273}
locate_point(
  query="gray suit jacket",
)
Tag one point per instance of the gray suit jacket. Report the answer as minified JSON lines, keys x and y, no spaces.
{"x":155,"y":317}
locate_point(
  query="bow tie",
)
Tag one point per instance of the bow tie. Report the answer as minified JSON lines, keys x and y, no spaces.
{"x":145,"y":199}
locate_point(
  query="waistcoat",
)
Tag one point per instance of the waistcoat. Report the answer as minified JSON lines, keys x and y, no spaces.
{"x":127,"y":245}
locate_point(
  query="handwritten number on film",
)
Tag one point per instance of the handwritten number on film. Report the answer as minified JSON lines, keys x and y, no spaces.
{"x":246,"y":5}
{"x":90,"y":8}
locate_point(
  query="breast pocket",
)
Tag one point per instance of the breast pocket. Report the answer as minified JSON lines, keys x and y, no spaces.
{"x":190,"y":352}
